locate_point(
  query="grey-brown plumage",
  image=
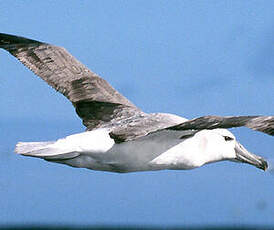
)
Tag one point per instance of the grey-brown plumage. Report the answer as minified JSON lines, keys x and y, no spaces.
{"x":99,"y":105}
{"x":96,"y":102}
{"x":260,"y":123}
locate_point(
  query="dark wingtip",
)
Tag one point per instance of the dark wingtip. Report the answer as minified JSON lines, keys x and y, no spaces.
{"x":7,"y":40}
{"x":264,"y":165}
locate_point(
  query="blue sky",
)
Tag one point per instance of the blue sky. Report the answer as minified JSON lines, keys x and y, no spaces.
{"x":191,"y":58}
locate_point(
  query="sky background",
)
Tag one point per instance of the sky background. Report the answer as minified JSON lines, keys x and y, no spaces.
{"x":191,"y":58}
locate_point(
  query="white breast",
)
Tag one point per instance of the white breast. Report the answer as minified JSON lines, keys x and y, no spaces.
{"x":99,"y":152}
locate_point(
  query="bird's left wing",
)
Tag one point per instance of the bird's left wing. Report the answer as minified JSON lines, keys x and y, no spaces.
{"x":263,"y":124}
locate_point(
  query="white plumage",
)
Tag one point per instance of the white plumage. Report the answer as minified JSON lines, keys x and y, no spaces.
{"x":161,"y":150}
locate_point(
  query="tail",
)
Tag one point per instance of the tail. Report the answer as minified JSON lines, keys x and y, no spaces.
{"x":46,"y":150}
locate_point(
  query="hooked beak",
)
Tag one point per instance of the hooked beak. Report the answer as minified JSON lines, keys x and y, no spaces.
{"x":244,"y":156}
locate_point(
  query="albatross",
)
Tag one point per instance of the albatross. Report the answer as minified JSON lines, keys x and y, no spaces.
{"x":120,"y":137}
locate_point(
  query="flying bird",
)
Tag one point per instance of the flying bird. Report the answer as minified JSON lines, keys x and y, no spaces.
{"x":121,"y":137}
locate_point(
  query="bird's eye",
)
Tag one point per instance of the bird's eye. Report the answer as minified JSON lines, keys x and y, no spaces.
{"x":227,"y":138}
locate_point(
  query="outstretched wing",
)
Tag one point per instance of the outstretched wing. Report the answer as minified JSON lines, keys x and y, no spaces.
{"x":96,"y":102}
{"x":157,"y":123}
{"x":263,"y":124}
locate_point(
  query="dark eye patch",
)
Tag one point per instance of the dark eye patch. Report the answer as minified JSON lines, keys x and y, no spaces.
{"x":227,"y":138}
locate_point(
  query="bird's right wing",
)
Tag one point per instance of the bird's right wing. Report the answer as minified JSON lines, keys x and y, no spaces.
{"x":263,"y":124}
{"x":96,"y":102}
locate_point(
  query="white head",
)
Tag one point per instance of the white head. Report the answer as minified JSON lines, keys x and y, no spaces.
{"x":221,"y":144}
{"x":206,"y":146}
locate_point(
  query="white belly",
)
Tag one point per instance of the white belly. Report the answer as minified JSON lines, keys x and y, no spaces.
{"x":98,"y":151}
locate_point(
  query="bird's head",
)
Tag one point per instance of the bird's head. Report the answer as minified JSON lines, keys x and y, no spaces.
{"x":221,"y":144}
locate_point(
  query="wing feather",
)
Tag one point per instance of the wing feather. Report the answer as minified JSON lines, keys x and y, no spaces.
{"x":263,"y":124}
{"x":87,"y":91}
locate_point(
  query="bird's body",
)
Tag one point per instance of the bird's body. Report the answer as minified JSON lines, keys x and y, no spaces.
{"x":96,"y":149}
{"x":120,"y":137}
{"x":159,"y":150}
